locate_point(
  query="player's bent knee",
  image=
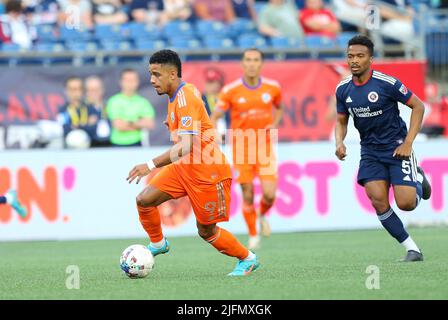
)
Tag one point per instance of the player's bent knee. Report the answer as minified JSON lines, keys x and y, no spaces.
{"x":206,"y":231}
{"x":406,"y":205}
{"x":141,"y":202}
{"x":269,"y":198}
{"x":380,"y":205}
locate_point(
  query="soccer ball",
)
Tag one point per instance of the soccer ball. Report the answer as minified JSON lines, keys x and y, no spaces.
{"x":136,"y":261}
{"x":77,"y":139}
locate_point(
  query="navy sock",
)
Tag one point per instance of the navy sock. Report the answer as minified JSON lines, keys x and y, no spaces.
{"x":392,"y":223}
{"x":2,"y":199}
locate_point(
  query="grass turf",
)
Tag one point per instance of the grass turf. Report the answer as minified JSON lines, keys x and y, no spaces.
{"x":318,"y":265}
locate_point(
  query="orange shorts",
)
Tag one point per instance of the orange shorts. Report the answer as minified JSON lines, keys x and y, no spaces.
{"x":246,"y":173}
{"x":211,"y":203}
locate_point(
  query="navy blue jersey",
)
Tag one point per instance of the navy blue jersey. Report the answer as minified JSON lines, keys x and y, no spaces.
{"x":374,"y":108}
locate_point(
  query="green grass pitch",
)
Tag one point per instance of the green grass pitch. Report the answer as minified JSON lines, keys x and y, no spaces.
{"x":317,"y":265}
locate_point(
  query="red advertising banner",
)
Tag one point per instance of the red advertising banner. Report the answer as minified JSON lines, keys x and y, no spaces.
{"x":307,"y":89}
{"x":27,"y":95}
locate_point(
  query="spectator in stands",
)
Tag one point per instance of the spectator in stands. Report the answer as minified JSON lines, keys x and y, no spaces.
{"x":41,"y":11}
{"x":352,"y":12}
{"x":214,"y":80}
{"x":95,"y":96}
{"x":245,"y":9}
{"x":397,"y":20}
{"x":76,"y":14}
{"x":176,"y":10}
{"x":278,"y":18}
{"x":316,"y":20}
{"x":14,"y":27}
{"x":108,"y":12}
{"x":218,"y":10}
{"x":129,"y":112}
{"x":75,"y":113}
{"x":146,"y":11}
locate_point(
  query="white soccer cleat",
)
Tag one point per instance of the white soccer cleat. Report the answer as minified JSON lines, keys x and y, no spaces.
{"x":254,"y":242}
{"x":265,"y":229}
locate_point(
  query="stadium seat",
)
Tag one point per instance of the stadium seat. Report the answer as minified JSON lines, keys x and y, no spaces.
{"x":51,"y":47}
{"x":69,"y":34}
{"x":151,"y":45}
{"x":82,"y":46}
{"x":46,"y":32}
{"x":143,"y":31}
{"x":286,"y":42}
{"x":343,"y":38}
{"x":12,"y":48}
{"x":437,"y":48}
{"x":111,"y":45}
{"x":184,"y":43}
{"x":178,"y":29}
{"x":206,"y":28}
{"x":251,"y":40}
{"x":318,"y":42}
{"x":108,"y":32}
{"x":241,"y":26}
{"x":219,"y":43}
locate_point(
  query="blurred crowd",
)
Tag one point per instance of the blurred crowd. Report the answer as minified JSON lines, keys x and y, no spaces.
{"x":273,"y":18}
{"x":88,"y":119}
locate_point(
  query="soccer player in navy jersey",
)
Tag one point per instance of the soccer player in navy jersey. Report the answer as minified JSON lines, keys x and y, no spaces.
{"x":387,"y":158}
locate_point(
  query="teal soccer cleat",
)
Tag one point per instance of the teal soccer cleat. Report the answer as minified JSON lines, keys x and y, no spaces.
{"x":156,"y":251}
{"x":16,"y":205}
{"x":244,"y":268}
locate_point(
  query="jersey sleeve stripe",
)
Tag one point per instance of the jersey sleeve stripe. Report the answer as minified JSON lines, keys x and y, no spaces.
{"x":182,"y":102}
{"x":384,"y":79}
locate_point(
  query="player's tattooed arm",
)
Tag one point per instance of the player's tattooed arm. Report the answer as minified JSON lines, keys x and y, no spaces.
{"x":404,"y":150}
{"x":177,"y":151}
{"x":340,"y":132}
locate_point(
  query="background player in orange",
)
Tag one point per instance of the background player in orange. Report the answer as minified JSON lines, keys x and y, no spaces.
{"x":255,"y":107}
{"x":194,"y":166}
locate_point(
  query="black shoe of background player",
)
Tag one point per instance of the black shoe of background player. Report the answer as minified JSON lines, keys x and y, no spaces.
{"x":412,"y":256}
{"x":425,"y":185}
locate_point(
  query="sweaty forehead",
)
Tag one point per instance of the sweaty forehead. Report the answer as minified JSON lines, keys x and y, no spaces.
{"x":160,"y":68}
{"x":357,"y":48}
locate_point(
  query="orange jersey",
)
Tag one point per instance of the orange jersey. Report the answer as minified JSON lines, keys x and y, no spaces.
{"x":250,"y":107}
{"x":206,"y":164}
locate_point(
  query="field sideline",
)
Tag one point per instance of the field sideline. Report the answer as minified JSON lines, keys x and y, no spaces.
{"x":318,"y":265}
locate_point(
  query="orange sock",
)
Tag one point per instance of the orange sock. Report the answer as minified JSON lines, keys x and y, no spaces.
{"x":250,"y":216}
{"x":150,"y":220}
{"x":264,"y":207}
{"x":226,"y":243}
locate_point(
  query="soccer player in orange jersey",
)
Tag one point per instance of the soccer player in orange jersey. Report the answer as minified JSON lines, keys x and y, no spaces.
{"x":194,"y":166}
{"x":256,"y":109}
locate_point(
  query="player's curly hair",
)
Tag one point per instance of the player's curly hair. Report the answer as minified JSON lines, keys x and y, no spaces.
{"x":363,"y":41}
{"x":167,"y":56}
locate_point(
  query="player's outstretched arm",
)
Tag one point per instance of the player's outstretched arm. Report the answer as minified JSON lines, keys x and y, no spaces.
{"x":340,"y":132}
{"x":177,"y":151}
{"x":404,"y":150}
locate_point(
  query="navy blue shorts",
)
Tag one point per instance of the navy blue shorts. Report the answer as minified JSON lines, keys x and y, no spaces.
{"x":379,"y":164}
